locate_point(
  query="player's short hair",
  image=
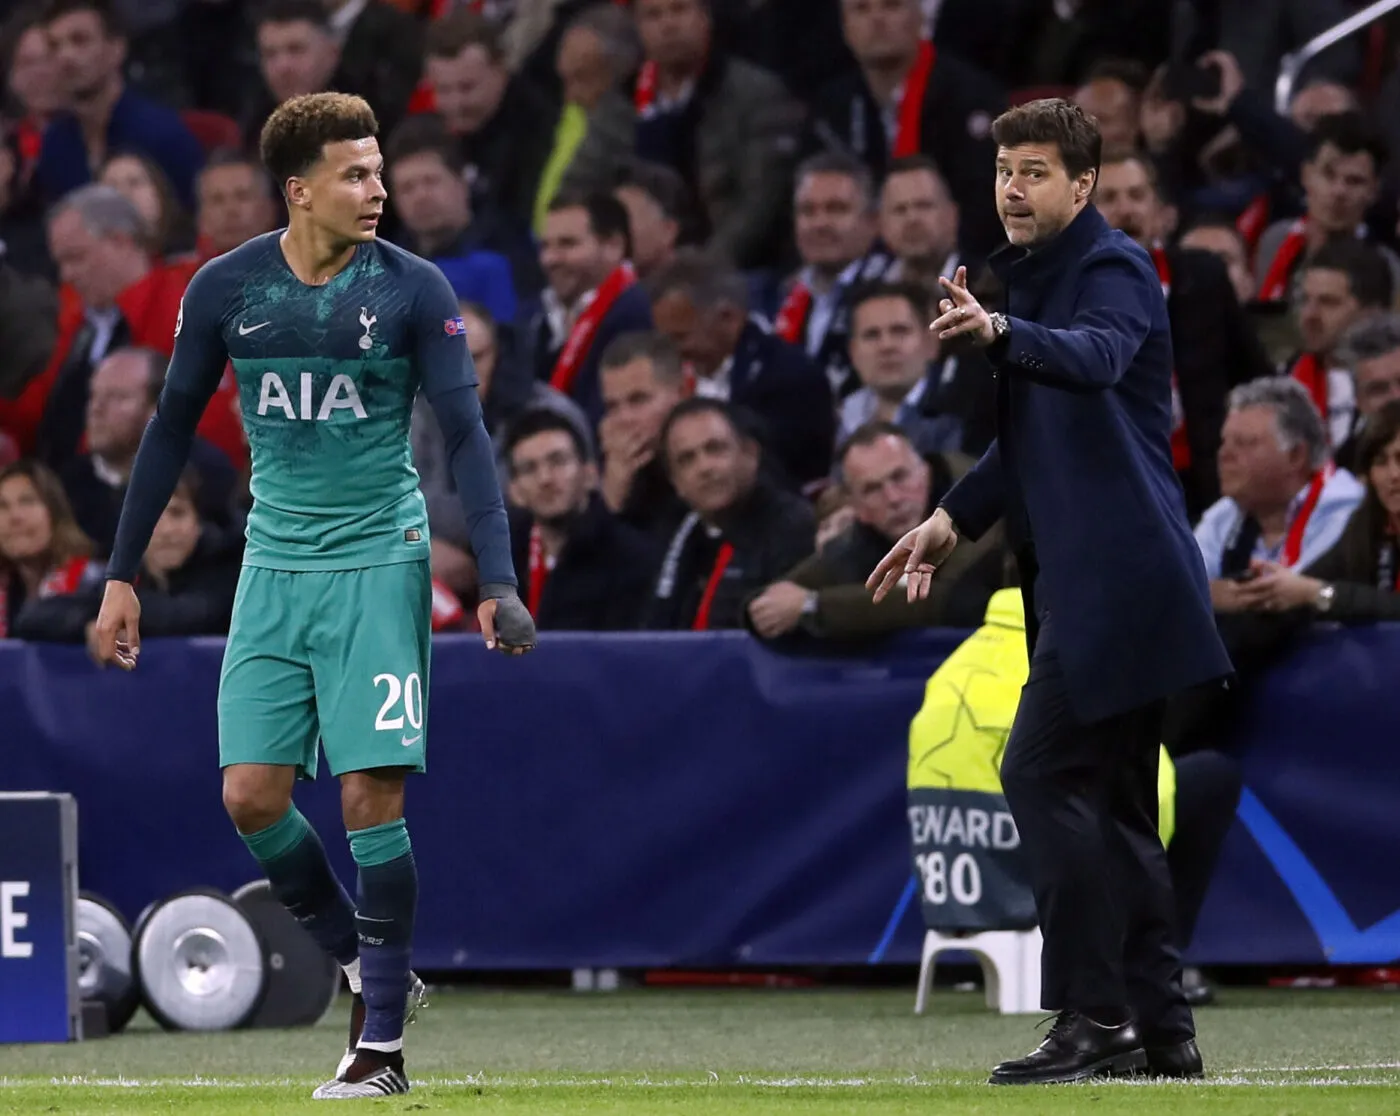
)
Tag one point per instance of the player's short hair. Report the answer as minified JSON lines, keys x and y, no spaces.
{"x":840,"y":163}
{"x":295,"y":136}
{"x":646,"y":345}
{"x":1053,"y":120}
{"x":293,"y":11}
{"x":542,"y":420}
{"x":425,"y":134}
{"x":1368,"y":274}
{"x":708,"y":282}
{"x":914,"y":294}
{"x":463,"y":28}
{"x":104,"y":211}
{"x":699,"y":405}
{"x":69,"y":541}
{"x":607,"y":217}
{"x":104,"y":10}
{"x":1299,"y":421}
{"x":232,"y":157}
{"x":658,"y":182}
{"x":867,"y":434}
{"x":1351,"y":134}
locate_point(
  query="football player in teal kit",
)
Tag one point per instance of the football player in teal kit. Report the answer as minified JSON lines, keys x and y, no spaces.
{"x":332,"y":334}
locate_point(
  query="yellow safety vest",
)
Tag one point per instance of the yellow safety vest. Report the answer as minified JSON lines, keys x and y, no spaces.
{"x":957,"y":738}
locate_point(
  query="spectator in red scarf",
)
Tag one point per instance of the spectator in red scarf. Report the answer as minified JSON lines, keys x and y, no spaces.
{"x":742,"y":532}
{"x":114,"y":295}
{"x":43,"y":552}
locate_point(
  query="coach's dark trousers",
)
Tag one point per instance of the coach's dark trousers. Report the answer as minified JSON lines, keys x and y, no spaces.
{"x":1084,"y":798}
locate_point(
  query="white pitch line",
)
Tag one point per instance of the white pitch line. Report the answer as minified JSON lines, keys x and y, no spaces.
{"x":1269,"y":1077}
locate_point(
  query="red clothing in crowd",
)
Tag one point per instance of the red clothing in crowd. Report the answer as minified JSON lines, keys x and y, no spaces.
{"x":150,"y":307}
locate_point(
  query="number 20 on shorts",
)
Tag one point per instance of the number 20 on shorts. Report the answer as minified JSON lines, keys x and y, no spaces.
{"x":404,"y":702}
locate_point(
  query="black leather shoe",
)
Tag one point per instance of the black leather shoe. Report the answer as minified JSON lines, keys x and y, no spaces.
{"x":1181,"y":1060}
{"x":1075,"y":1049}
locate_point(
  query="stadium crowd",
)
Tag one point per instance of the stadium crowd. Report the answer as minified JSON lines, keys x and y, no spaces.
{"x":697,"y":244}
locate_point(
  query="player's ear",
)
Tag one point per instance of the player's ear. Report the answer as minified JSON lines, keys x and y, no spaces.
{"x":298,"y":192}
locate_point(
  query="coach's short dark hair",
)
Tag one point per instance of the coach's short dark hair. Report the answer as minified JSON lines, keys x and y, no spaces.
{"x":293,"y":11}
{"x":607,"y":217}
{"x":708,"y":282}
{"x":295,"y":135}
{"x":425,"y":134}
{"x":542,"y":420}
{"x":1351,"y":134}
{"x":915,"y":294}
{"x":453,"y":33}
{"x":102,"y":9}
{"x":1368,"y":274}
{"x":651,"y":346}
{"x":1053,"y":120}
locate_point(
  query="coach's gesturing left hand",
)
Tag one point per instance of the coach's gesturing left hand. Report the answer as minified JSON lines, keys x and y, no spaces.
{"x":961,"y":315}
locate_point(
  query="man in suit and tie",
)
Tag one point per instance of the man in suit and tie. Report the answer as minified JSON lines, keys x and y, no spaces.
{"x":1117,"y":601}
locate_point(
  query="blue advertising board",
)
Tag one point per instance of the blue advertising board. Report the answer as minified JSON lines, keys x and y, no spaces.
{"x":38,"y":937}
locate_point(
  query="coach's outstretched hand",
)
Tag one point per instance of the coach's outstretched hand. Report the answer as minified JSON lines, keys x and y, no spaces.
{"x":918,"y":555}
{"x":506,"y":624}
{"x":116,"y":636}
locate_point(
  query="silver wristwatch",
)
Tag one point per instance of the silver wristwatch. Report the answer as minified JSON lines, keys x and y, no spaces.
{"x":1325,"y":596}
{"x":1001,"y":326}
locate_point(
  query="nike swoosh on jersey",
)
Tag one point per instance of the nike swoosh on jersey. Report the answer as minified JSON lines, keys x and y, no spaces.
{"x":243,"y":330}
{"x":409,"y":741}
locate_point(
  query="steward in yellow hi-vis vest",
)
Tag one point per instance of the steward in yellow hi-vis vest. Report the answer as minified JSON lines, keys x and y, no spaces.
{"x":965,"y":843}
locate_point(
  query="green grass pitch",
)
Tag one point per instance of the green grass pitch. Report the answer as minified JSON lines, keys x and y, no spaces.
{"x":730,"y":1052}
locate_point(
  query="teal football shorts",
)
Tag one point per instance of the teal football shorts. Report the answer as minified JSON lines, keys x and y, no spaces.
{"x":335,"y":656}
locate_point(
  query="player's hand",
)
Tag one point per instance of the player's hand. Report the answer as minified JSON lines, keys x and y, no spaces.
{"x":917,"y":556}
{"x":961,"y":315}
{"x":116,"y":635}
{"x":506,"y":624}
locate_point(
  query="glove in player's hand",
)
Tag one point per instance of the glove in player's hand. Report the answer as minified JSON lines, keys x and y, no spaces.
{"x":506,"y":624}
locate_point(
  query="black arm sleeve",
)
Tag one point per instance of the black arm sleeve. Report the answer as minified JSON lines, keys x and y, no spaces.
{"x":195,"y":369}
{"x":449,"y":382}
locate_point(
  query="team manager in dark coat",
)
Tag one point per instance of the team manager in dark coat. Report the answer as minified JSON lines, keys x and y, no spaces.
{"x":1081,"y":471}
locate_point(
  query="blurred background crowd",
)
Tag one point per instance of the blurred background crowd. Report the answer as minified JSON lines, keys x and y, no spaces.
{"x":697,"y":244}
